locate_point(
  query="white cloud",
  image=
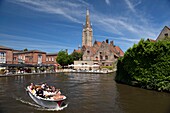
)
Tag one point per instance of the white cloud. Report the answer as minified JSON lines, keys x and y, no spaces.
{"x":73,"y":11}
{"x":130,"y":6}
{"x":137,"y":25}
{"x":107,"y":2}
{"x":68,"y":9}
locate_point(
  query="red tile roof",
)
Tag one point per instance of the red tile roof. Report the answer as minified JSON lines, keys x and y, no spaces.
{"x":121,"y":53}
{"x":98,"y":43}
{"x":151,"y":40}
{"x":78,"y":51}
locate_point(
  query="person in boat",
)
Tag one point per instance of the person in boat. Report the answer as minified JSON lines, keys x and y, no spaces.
{"x":58,"y":96}
{"x":51,"y":92}
{"x":40,"y":93}
{"x":54,"y":90}
{"x":44,"y":86}
{"x":32,"y":86}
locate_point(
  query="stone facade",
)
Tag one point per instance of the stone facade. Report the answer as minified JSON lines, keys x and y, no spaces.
{"x":99,"y":53}
{"x":165,"y":33}
{"x":87,"y":33}
{"x":104,"y":53}
{"x":83,"y":65}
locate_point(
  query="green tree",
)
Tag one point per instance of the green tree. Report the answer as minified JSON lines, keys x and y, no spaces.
{"x":77,"y":55}
{"x":63,"y":58}
{"x":25,"y":49}
{"x":147,"y":65}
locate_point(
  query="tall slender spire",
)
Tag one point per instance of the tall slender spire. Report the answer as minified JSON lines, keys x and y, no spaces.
{"x":87,"y":34}
{"x":87,"y":19}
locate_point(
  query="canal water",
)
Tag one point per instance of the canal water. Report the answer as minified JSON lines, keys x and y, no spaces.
{"x":86,"y":93}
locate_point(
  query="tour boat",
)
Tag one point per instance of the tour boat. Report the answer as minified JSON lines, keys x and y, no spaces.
{"x":50,"y":103}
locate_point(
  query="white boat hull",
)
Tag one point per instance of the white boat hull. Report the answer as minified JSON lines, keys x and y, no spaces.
{"x":48,"y":103}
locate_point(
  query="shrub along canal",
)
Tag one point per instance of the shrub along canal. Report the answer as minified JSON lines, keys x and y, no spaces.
{"x":86,"y":93}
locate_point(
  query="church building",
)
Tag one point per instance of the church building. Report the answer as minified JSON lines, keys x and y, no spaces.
{"x":103,"y":53}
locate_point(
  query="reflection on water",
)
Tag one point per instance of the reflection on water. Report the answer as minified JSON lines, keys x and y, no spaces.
{"x":136,"y":100}
{"x":86,"y":93}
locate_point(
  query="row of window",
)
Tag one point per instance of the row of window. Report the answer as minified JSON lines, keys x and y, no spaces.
{"x":102,"y":58}
{"x":21,"y":57}
{"x":2,"y":54}
{"x":2,"y":60}
{"x":2,"y":57}
{"x":50,"y":59}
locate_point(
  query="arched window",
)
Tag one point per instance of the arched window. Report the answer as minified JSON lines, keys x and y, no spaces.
{"x":96,"y":58}
{"x":106,"y":57}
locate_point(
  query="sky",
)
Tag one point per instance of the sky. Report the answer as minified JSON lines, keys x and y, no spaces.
{"x":54,"y":25}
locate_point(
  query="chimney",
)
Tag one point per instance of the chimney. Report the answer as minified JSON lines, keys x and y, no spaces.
{"x":111,"y":43}
{"x":107,"y":41}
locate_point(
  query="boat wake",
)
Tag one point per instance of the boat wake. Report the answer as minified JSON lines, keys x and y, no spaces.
{"x":28,"y":103}
{"x":40,"y":107}
{"x":54,"y":109}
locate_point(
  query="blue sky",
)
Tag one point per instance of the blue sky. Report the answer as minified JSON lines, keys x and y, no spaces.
{"x":53,"y":25}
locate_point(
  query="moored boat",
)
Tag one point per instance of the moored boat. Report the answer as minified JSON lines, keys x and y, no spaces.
{"x":51,"y":100}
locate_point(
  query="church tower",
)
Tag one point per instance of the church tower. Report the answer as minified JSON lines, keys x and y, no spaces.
{"x":87,"y":34}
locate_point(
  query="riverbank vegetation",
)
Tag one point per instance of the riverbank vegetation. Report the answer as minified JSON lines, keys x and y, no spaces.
{"x":64,"y":58}
{"x":146,"y":65}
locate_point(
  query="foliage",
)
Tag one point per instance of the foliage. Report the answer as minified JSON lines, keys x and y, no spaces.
{"x":147,"y":65}
{"x":25,"y":49}
{"x":77,"y":55}
{"x":108,"y":67}
{"x":63,"y":58}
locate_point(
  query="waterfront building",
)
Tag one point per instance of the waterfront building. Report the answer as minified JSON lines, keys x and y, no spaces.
{"x":6,"y":55}
{"x":19,"y":61}
{"x":51,"y":58}
{"x":29,"y":57}
{"x":101,"y":53}
{"x":98,"y":53}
